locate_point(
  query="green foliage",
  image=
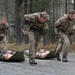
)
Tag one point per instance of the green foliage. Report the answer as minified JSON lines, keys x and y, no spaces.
{"x":11,"y":39}
{"x":40,"y":5}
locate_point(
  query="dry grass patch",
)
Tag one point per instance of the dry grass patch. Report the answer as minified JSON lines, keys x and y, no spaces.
{"x":16,"y":47}
{"x":23,"y":47}
{"x":72,"y":47}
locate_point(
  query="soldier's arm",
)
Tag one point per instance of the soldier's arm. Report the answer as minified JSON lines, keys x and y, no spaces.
{"x":7,"y":26}
{"x":60,"y":22}
{"x":31,"y":17}
{"x":46,"y":26}
{"x":57,"y":24}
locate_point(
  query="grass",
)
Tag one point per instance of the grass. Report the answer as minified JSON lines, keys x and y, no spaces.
{"x":23,"y":47}
{"x":72,"y":47}
{"x":16,"y":47}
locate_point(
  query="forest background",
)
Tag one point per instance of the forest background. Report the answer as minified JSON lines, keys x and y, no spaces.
{"x":14,"y":11}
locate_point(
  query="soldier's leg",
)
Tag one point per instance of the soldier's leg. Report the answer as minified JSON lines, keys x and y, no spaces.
{"x":66,"y":47}
{"x":37,"y":39}
{"x":31,"y":48}
{"x":4,"y":43}
{"x":59,"y":49}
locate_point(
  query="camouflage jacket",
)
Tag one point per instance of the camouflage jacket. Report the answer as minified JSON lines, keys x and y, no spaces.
{"x":34,"y":24}
{"x":64,"y":24}
{"x":3,"y":29}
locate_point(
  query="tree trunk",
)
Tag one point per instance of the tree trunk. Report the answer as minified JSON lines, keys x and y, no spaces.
{"x":17,"y":21}
{"x":27,"y":9}
{"x":65,"y":6}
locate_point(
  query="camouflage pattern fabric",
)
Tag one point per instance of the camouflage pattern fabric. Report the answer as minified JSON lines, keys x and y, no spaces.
{"x":3,"y":33}
{"x":64,"y":27}
{"x":64,"y":24}
{"x":33,"y":23}
{"x":35,"y":30}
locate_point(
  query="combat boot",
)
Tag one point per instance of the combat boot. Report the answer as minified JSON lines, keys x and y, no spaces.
{"x":32,"y":61}
{"x":58,"y":56}
{"x":64,"y":59}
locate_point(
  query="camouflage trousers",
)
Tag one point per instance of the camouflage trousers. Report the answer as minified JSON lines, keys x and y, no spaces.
{"x":4,"y":43}
{"x":34,"y":38}
{"x":64,"y":44}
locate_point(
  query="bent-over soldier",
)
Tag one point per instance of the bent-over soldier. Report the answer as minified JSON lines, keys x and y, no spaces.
{"x":65,"y":27}
{"x":37,"y":26}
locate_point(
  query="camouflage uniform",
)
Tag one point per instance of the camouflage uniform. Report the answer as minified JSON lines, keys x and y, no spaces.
{"x":36,"y":29}
{"x":3,"y":33}
{"x":65,"y":28}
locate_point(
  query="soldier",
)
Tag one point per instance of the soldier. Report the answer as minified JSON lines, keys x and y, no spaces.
{"x":65,"y":28}
{"x":3,"y":33}
{"x":43,"y":54}
{"x":37,"y":27}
